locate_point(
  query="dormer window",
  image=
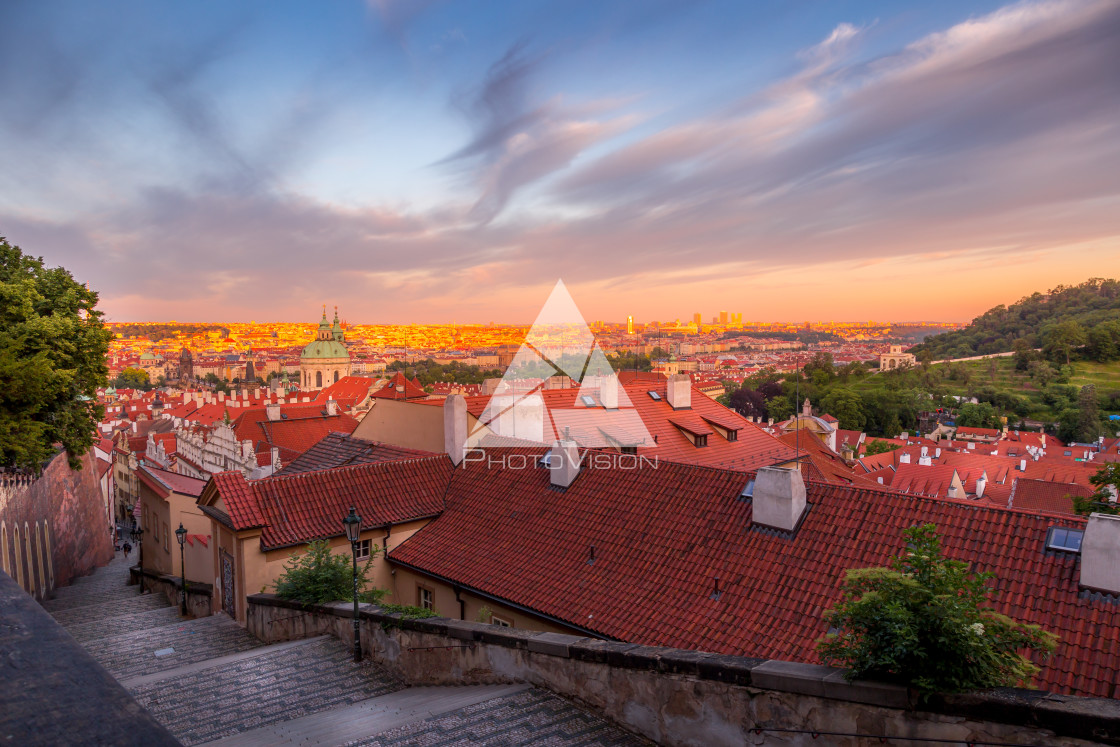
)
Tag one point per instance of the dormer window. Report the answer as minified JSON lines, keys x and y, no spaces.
{"x":1064,"y":539}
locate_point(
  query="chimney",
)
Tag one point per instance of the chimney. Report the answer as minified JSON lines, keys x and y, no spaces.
{"x":951,"y":492}
{"x":272,"y":411}
{"x":778,"y":498}
{"x":221,"y":396}
{"x":246,"y":449}
{"x":274,"y":454}
{"x":1100,"y":553}
{"x":455,"y":427}
{"x":937,"y":453}
{"x":980,"y":485}
{"x":563,"y":463}
{"x":608,"y":392}
{"x":925,"y":461}
{"x":971,"y":446}
{"x":1022,"y":465}
{"x":770,"y":422}
{"x":1043,"y":439}
{"x":806,"y":408}
{"x":925,"y":451}
{"x":332,"y":406}
{"x":679,"y":392}
{"x":904,"y":459}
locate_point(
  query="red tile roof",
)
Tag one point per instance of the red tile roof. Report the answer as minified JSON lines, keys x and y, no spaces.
{"x":1040,"y":495}
{"x":921,"y":479}
{"x":299,"y":508}
{"x":301,"y":427}
{"x":662,"y":536}
{"x":342,"y":449}
{"x":399,"y":387}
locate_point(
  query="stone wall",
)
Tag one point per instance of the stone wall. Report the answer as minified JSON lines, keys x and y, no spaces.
{"x":199,"y":595}
{"x":680,"y":697}
{"x":53,"y":528}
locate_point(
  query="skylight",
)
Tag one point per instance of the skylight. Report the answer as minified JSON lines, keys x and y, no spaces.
{"x":1064,"y":539}
{"x":588,"y":400}
{"x":748,"y":490}
{"x":654,"y":396}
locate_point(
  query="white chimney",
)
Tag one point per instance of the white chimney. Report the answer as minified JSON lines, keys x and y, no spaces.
{"x":455,"y":427}
{"x":332,"y":406}
{"x":980,"y":485}
{"x":221,"y":396}
{"x":925,"y":451}
{"x":272,"y":411}
{"x":937,"y":453}
{"x":1043,"y":440}
{"x":925,"y":461}
{"x":608,"y":392}
{"x":1022,"y":465}
{"x":778,"y":498}
{"x":971,"y":446}
{"x":904,"y":459}
{"x":274,"y":454}
{"x":1100,"y":553}
{"x":679,"y":392}
{"x":563,"y":463}
{"x":951,"y":492}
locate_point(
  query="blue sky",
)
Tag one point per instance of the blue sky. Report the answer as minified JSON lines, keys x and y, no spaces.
{"x":449,"y":161}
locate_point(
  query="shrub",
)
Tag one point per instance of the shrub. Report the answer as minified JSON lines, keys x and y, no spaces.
{"x":410,"y":611}
{"x":320,"y":576}
{"x":921,"y":623}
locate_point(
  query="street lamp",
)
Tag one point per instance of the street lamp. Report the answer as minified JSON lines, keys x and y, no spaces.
{"x":181,"y":535}
{"x":353,"y":525}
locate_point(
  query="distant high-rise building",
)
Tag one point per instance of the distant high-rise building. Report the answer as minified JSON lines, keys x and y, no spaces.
{"x":723,"y":318}
{"x":697,"y":319}
{"x":630,"y":325}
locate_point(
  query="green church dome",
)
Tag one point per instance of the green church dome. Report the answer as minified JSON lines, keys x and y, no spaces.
{"x":328,"y":341}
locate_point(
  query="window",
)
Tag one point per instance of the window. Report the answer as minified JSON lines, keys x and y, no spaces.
{"x":364,"y":547}
{"x":732,"y":435}
{"x":748,"y":490}
{"x":1067,"y":453}
{"x":701,"y":441}
{"x":166,"y":535}
{"x":425,"y":598}
{"x":1064,"y":539}
{"x":587,"y":400}
{"x":501,"y":622}
{"x":654,"y":395}
{"x":630,"y":450}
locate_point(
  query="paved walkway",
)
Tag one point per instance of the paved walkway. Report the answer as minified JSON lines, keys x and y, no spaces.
{"x":208,"y":680}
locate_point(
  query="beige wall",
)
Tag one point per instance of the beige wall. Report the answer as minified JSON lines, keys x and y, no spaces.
{"x":405,"y":590}
{"x":407,"y":424}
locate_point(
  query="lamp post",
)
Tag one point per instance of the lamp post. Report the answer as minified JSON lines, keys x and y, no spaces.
{"x":181,"y":535}
{"x":353,"y":525}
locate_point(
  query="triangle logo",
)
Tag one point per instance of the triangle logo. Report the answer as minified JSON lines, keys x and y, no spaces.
{"x":536,"y":402}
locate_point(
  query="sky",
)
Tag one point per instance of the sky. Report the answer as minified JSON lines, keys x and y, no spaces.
{"x":421,"y":161}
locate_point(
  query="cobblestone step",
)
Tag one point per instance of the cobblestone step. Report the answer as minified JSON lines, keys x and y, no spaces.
{"x":107,"y":611}
{"x":134,"y":653}
{"x":91,"y":631}
{"x":254,"y":692}
{"x":535,"y":717}
{"x":68,"y":596}
{"x":348,"y":723}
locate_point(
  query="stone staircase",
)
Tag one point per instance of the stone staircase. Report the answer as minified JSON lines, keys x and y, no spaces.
{"x":207,"y":679}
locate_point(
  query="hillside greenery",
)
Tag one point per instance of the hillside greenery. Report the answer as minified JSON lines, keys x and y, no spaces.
{"x":1072,"y":401}
{"x":430,"y":372}
{"x":1070,"y":323}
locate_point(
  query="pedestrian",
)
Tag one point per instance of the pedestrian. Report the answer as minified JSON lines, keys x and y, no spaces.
{"x":127,"y":549}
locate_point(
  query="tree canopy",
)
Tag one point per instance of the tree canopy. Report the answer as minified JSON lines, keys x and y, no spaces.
{"x":53,"y":346}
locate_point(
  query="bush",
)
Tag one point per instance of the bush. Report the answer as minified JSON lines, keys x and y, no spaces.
{"x":319,"y":576}
{"x":920,"y":623}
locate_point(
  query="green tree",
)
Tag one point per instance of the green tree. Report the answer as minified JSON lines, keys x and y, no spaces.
{"x":875,"y":446}
{"x":132,"y":378}
{"x":923,"y":622}
{"x":320,"y":576}
{"x":779,"y":408}
{"x":981,"y":415}
{"x":1104,"y":342}
{"x":53,"y":346}
{"x":1103,"y":500}
{"x":1088,"y":414}
{"x":846,"y":406}
{"x":1062,"y":338}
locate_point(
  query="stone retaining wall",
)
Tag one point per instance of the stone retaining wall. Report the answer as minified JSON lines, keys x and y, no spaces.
{"x":680,"y":697}
{"x":199,"y":595}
